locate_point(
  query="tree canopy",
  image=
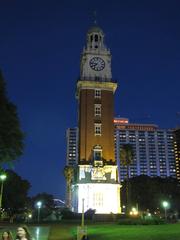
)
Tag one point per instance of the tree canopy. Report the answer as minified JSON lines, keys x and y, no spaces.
{"x":47,"y":204}
{"x":11,"y":135}
{"x":45,"y":198}
{"x":149,"y":192}
{"x":15,"y":194}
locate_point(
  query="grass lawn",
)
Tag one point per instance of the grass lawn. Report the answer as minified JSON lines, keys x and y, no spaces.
{"x":118,"y":232}
{"x":61,"y":232}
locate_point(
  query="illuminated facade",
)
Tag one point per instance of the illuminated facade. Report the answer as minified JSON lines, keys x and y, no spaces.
{"x":177,"y":151}
{"x":96,"y":178}
{"x":153,"y":149}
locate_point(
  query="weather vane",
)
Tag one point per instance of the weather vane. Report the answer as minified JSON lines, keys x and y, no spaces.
{"x":95,"y":17}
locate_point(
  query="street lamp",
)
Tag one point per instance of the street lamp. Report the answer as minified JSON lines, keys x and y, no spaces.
{"x":82,"y":230}
{"x":134,"y":211}
{"x":2,"y":179}
{"x":82,"y":222}
{"x":123,"y":209}
{"x":39,"y":205}
{"x":165,"y":205}
{"x":29,"y":217}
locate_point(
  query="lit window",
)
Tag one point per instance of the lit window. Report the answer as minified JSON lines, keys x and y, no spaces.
{"x":97,"y":110}
{"x":97,"y":129}
{"x":98,"y":199}
{"x":97,"y":93}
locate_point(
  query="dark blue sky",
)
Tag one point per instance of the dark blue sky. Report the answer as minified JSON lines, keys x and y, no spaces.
{"x":40,"y":47}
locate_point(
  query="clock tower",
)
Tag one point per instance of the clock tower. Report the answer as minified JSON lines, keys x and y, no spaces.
{"x":96,"y":179}
{"x":96,"y":58}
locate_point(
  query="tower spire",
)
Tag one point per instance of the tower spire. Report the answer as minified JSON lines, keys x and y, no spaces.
{"x":95,"y":17}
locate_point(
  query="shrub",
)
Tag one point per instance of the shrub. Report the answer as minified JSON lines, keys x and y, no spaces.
{"x":138,"y":221}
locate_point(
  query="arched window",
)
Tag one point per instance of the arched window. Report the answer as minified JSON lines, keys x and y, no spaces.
{"x":97,"y":155}
{"x":96,"y":38}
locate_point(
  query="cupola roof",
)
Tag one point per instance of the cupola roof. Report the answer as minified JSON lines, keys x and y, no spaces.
{"x":95,"y":29}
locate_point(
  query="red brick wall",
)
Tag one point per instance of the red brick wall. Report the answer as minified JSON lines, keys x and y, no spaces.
{"x":87,"y":139}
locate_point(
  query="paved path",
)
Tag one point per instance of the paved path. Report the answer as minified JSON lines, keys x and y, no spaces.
{"x":38,"y":233}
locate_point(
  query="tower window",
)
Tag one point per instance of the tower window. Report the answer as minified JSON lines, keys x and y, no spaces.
{"x":97,"y":155}
{"x":97,"y":110}
{"x":96,"y":38}
{"x":98,"y":199}
{"x":97,"y":93}
{"x":97,"y":129}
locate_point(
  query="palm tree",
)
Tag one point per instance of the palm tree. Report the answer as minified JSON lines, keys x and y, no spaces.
{"x":68,"y":173}
{"x":126,"y":159}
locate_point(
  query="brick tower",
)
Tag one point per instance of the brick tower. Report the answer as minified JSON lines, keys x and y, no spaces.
{"x":96,"y":178}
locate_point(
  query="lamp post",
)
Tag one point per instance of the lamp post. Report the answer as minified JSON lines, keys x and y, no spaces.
{"x":82,"y":222}
{"x":39,"y":204}
{"x":2,"y":179}
{"x":165,"y":205}
{"x":134,"y":212}
{"x":123,"y":209}
{"x":82,"y":230}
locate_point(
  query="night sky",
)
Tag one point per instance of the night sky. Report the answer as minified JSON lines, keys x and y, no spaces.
{"x":40,"y":47}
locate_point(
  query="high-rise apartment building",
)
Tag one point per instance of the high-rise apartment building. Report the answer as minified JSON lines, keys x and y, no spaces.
{"x":177,"y":151}
{"x":72,"y":146}
{"x":153,"y":149}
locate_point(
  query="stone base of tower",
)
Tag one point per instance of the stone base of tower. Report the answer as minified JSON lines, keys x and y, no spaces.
{"x":103,"y":197}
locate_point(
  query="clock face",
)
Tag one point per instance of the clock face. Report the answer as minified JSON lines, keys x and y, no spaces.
{"x":97,"y":63}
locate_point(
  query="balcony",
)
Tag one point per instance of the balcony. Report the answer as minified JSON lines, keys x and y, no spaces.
{"x":96,"y":79}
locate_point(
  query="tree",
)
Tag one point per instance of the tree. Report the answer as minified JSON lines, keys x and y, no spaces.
{"x":143,"y":190}
{"x":45,"y":198}
{"x":68,"y":173}
{"x":15,"y":194}
{"x":149,"y":192}
{"x":126,"y":159}
{"x":11,"y":136}
{"x":47,"y":204}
